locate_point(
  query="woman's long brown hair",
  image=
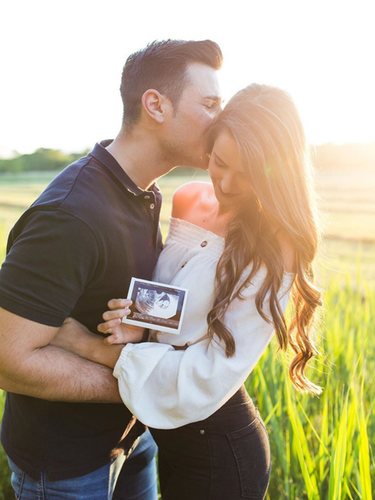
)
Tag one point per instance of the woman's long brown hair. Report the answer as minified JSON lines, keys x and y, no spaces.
{"x":265,"y":124}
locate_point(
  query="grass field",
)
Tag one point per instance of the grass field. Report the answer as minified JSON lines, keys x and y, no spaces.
{"x":322,"y":448}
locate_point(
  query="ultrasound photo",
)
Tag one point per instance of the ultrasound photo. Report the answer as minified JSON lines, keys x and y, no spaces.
{"x":156,"y":305}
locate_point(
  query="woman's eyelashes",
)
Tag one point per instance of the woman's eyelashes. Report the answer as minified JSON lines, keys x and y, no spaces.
{"x":220,"y":165}
{"x":218,"y":162}
{"x":236,"y":174}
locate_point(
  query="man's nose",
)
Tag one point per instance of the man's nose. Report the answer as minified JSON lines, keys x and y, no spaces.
{"x":217,"y":111}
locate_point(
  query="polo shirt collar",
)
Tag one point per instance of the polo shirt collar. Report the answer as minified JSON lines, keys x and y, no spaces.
{"x":103,"y":156}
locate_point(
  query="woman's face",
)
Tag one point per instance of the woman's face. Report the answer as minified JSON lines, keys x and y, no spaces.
{"x":230,"y":180}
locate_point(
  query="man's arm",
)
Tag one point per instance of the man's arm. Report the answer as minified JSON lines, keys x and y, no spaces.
{"x":30,"y":366}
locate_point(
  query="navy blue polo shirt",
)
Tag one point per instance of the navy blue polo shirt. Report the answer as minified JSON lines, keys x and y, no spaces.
{"x":75,"y":248}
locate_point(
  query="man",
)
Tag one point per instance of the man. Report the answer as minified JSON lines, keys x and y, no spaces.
{"x":93,"y":228}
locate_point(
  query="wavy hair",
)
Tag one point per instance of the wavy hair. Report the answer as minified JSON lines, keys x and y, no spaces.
{"x":266,"y":127}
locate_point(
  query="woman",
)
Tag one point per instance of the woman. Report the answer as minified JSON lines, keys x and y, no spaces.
{"x":241,"y":245}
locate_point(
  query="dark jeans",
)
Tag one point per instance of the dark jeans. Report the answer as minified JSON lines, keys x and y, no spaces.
{"x":136,"y":479}
{"x":226,"y":456}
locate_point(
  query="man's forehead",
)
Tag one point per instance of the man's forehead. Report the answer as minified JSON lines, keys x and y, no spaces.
{"x":203,"y":79}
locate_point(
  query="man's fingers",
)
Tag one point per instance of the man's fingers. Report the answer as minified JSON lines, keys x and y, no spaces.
{"x":119,"y":303}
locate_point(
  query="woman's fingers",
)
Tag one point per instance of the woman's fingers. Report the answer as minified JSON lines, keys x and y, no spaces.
{"x":119,"y":308}
{"x":119,"y":303}
{"x":116,"y":313}
{"x":108,"y":325}
{"x":112,"y":339}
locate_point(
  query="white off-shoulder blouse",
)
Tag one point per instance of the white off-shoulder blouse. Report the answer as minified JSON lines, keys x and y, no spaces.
{"x":167,"y":388}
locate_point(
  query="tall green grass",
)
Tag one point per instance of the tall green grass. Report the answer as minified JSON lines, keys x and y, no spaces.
{"x":321,"y":447}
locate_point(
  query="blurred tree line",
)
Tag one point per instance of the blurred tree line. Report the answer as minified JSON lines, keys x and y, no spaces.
{"x":41,"y":160}
{"x":323,"y":156}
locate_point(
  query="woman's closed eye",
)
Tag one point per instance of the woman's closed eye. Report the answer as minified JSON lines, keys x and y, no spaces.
{"x":219,"y":163}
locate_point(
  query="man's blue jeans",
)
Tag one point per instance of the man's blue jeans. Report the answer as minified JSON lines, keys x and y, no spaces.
{"x":134,"y":479}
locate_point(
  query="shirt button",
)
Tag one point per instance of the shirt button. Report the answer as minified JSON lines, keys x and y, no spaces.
{"x":204,"y":243}
{"x":147,"y":197}
{"x":201,"y":431}
{"x":152,"y":206}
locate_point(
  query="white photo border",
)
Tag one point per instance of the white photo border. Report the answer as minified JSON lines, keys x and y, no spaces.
{"x":157,"y":323}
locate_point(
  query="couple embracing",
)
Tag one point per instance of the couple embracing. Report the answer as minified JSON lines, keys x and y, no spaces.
{"x":242,"y":244}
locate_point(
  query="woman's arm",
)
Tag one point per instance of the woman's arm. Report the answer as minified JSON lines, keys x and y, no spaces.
{"x":75,"y":337}
{"x":167,"y":388}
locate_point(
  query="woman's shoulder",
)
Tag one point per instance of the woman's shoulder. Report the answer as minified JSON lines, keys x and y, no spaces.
{"x":188,"y":195}
{"x":192,"y":188}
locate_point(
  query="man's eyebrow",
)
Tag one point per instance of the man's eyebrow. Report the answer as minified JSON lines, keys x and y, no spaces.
{"x":215,"y":98}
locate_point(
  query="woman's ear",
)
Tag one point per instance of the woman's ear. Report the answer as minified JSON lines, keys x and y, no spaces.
{"x":155,"y":105}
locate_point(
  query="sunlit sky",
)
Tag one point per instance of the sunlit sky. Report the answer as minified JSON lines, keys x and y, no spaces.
{"x":61,"y":62}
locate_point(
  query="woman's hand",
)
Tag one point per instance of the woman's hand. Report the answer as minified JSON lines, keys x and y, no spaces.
{"x":71,"y":334}
{"x":119,"y":333}
{"x":76,"y":338}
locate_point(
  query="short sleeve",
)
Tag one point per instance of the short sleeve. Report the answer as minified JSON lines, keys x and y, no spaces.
{"x":48,"y":266}
{"x":167,"y":388}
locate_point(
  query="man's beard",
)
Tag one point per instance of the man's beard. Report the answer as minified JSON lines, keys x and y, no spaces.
{"x":178,"y":157}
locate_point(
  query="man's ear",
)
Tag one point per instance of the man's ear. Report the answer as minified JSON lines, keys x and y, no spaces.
{"x":155,"y":105}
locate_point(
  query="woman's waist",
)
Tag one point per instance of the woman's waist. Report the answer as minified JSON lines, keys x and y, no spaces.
{"x":237,"y":412}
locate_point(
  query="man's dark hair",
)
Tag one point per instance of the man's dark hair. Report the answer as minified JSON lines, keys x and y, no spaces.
{"x":162,"y":66}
